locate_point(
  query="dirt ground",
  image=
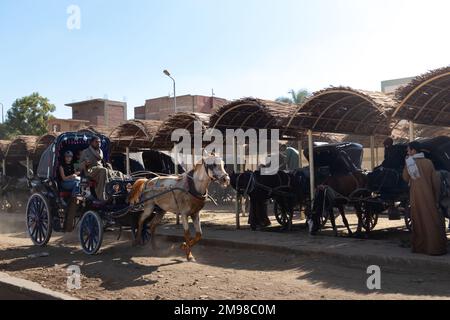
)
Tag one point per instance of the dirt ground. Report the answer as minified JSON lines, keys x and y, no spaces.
{"x":123,"y":272}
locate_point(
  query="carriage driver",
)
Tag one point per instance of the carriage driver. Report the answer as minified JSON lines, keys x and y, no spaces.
{"x":92,"y":164}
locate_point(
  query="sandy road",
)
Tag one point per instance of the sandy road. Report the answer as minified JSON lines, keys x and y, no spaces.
{"x":123,"y":272}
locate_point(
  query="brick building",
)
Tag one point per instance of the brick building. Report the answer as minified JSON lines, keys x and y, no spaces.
{"x":100,"y":112}
{"x":65,"y":125}
{"x":161,"y":108}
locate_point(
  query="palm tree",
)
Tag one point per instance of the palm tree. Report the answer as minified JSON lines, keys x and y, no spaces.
{"x":297,"y":97}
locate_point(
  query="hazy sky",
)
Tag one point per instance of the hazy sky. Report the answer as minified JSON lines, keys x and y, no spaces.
{"x":240,"y":48}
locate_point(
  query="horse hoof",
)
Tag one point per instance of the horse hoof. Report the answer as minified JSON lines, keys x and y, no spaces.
{"x":190,"y":258}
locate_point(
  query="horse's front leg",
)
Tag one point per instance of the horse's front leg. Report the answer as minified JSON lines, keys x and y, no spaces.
{"x":186,"y":246}
{"x":198,"y":229}
{"x":333,"y":222}
{"x":344,"y":219}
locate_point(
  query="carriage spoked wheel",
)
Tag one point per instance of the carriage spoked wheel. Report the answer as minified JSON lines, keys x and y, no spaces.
{"x":146,"y":234}
{"x":283,"y":216}
{"x":91,"y":232}
{"x":39,"y":220}
{"x":369,"y":220}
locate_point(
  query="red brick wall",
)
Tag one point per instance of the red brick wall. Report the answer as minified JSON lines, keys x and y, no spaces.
{"x":161,"y":108}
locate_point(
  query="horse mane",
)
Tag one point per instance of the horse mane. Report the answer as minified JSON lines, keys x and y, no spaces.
{"x":136,"y":191}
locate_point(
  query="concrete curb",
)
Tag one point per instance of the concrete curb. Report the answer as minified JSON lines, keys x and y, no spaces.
{"x":12,"y":288}
{"x":345,"y":258}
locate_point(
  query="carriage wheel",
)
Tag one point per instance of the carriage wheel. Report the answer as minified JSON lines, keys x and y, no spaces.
{"x":146,"y":235}
{"x":369,"y":220}
{"x":39,"y":220}
{"x":283,"y":217}
{"x":91,"y":232}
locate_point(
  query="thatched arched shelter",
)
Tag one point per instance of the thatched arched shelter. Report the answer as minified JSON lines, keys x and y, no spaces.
{"x":181,"y":120}
{"x":21,"y":147}
{"x":251,"y":113}
{"x":426,"y":99}
{"x":42,"y":144}
{"x":345,"y":110}
{"x":134,"y":134}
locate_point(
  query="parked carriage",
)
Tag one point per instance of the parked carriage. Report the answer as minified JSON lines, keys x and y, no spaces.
{"x":47,"y":207}
{"x":388,"y":193}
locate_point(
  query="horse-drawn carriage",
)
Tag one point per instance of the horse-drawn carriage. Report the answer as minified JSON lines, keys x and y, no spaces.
{"x":383,"y":191}
{"x":48,"y":206}
{"x":387,"y":192}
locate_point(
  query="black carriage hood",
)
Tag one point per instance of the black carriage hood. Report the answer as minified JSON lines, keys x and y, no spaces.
{"x":44,"y":170}
{"x":67,"y":141}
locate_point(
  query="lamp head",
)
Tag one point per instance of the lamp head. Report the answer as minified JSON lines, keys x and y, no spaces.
{"x":167,"y":73}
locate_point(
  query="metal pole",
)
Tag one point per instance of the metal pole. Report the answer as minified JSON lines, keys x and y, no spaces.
{"x":372,"y":152}
{"x":28,"y":167}
{"x":3,"y":116}
{"x":4,"y":167}
{"x":238,"y":198}
{"x":128,"y":161}
{"x":312,"y":183}
{"x":411,"y":131}
{"x":175,"y":160}
{"x":174,"y":95}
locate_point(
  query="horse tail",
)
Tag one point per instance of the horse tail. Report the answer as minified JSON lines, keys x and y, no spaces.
{"x":136,"y":191}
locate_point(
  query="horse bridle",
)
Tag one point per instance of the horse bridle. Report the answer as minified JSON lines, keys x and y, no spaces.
{"x":211,"y":167}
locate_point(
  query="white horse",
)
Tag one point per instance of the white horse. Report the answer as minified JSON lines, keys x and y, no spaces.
{"x":188,"y":196}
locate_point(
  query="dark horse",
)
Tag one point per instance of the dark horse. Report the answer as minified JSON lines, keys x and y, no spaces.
{"x":285,"y":188}
{"x":337,"y":185}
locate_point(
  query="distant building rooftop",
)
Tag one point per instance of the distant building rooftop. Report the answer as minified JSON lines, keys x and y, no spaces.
{"x":390,"y":86}
{"x":93,"y":100}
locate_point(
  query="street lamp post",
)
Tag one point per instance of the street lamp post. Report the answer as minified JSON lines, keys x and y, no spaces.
{"x":3,"y":117}
{"x":167,"y":73}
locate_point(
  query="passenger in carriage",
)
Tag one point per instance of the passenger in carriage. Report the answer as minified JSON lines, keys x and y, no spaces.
{"x":92,"y":165}
{"x":428,"y":224}
{"x":70,"y":178}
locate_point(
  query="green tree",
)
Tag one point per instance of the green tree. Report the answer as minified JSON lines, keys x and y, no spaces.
{"x":297,"y":97}
{"x":29,"y":115}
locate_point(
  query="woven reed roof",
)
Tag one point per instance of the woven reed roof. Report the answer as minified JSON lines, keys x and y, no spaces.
{"x":98,"y":130}
{"x":345,"y":110}
{"x":180,"y":120}
{"x":134,"y":134}
{"x":21,"y":147}
{"x":251,"y":113}
{"x":426,"y":99}
{"x":3,"y":147}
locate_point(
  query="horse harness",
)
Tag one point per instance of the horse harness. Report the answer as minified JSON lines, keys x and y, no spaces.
{"x":253,"y":184}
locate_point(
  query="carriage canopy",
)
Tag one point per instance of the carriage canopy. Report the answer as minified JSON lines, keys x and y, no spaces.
{"x":338,"y":155}
{"x":75,"y":142}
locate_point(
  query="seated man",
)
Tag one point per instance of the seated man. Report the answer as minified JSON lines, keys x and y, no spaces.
{"x":92,"y":164}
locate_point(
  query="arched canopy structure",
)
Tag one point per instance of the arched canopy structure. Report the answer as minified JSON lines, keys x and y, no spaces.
{"x":134,"y":134}
{"x":3,"y":148}
{"x":42,"y":144}
{"x":99,"y":130}
{"x":21,"y":147}
{"x":251,"y":113}
{"x":345,"y":110}
{"x":181,"y":120}
{"x":426,"y":99}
